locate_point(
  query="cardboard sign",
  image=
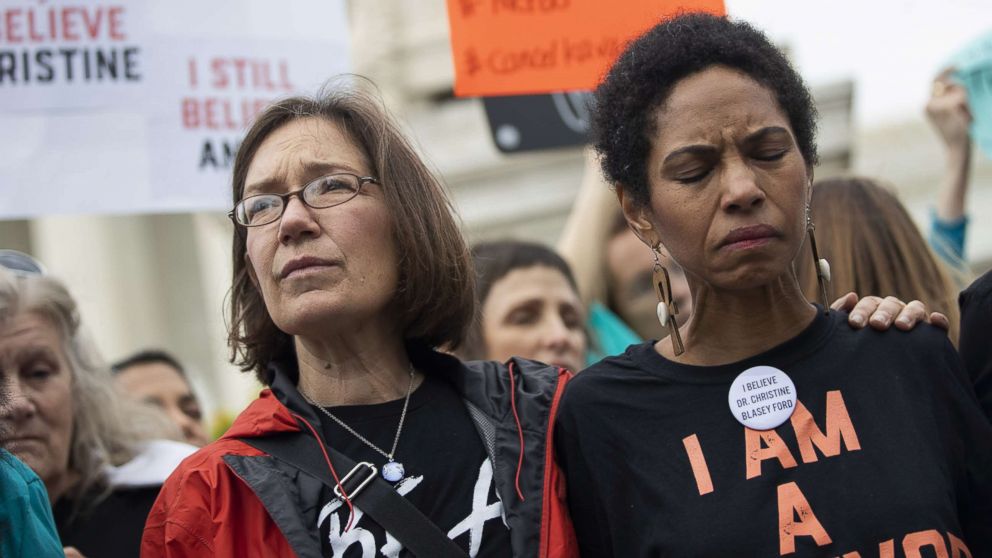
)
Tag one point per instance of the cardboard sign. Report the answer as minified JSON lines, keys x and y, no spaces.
{"x":516,"y":47}
{"x":973,"y":69}
{"x":126,"y":107}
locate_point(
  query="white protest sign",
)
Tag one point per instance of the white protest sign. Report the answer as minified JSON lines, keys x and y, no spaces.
{"x":124,"y":107}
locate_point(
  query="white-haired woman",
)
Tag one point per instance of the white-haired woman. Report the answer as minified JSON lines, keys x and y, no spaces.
{"x":26,"y":525}
{"x":66,"y":422}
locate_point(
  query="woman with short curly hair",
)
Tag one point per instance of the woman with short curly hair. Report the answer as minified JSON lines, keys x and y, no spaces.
{"x":765,"y":426}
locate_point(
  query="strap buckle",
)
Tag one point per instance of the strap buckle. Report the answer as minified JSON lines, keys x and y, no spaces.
{"x":370,"y":469}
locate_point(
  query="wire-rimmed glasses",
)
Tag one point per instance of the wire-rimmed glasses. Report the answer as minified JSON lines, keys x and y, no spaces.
{"x":326,"y":191}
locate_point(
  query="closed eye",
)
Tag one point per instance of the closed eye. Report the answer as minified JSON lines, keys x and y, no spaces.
{"x":690,"y":164}
{"x":692,"y":178}
{"x":770,"y":156}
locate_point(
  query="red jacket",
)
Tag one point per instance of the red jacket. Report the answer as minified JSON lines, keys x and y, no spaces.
{"x":217,"y":502}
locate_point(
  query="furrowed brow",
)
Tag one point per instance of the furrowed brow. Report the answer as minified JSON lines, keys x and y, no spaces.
{"x":771,"y":132}
{"x":689,"y":150}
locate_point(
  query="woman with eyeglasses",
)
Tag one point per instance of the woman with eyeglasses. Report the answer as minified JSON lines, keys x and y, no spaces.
{"x":349,"y":270}
{"x":764,"y":426}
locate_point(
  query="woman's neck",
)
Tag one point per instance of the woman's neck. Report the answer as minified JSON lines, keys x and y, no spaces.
{"x":354,"y":368}
{"x":60,"y":485}
{"x":731,"y":325}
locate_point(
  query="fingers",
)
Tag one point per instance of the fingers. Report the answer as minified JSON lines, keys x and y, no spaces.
{"x":863,"y":310}
{"x":846,"y":302}
{"x":914,"y":313}
{"x":881,"y":313}
{"x":886,"y":313}
{"x":940,"y":321}
{"x":71,"y":552}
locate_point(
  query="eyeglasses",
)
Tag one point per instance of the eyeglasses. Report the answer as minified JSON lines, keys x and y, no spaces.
{"x":326,"y":191}
{"x":20,"y":263}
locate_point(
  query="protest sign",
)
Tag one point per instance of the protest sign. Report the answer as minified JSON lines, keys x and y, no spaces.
{"x":516,"y":47}
{"x":532,"y":122}
{"x":125,"y":107}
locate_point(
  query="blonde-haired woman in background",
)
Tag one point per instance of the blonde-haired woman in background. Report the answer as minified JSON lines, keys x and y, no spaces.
{"x":874,"y":246}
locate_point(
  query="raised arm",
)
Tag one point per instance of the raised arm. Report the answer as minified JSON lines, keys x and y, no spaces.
{"x":583,"y":241}
{"x":948,"y":112}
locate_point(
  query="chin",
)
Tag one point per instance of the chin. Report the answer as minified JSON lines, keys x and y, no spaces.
{"x":750,"y":275}
{"x":33,"y":457}
{"x":308,"y":315}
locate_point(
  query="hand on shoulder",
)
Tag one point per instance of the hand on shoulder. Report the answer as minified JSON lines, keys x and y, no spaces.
{"x":880,"y":313}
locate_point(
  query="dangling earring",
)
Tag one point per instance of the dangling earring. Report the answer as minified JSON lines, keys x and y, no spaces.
{"x":821,"y":264}
{"x":667,"y":309}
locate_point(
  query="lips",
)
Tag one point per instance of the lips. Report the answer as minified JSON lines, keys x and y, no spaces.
{"x":20,"y":440}
{"x":305,"y":262}
{"x":750,"y":236}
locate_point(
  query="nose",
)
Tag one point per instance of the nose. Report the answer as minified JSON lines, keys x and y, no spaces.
{"x":741,"y":191}
{"x":297,"y":221}
{"x":556,"y":335}
{"x":20,"y":407}
{"x":186,"y":424}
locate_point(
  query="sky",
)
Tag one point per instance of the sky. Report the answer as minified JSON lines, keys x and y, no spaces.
{"x":892,"y":49}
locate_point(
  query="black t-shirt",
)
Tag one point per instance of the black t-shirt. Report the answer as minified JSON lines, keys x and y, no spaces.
{"x":886,"y":452}
{"x":110,"y":530}
{"x":449,"y":477}
{"x":976,"y":337}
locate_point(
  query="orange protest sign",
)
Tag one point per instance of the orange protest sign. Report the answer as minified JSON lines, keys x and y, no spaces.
{"x":517,"y":47}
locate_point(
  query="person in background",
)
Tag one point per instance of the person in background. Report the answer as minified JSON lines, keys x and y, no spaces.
{"x":874,"y":246}
{"x":976,"y":334}
{"x":528,"y":306}
{"x":27,"y":529}
{"x":629,"y":288}
{"x":948,"y":112}
{"x":65,"y":420}
{"x":156,"y":377}
{"x":765,"y":426}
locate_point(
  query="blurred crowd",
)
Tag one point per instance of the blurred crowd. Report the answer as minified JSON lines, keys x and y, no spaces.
{"x":427,"y":395}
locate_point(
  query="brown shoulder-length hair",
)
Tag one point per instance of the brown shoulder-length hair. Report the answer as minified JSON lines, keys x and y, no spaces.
{"x":435,"y":296}
{"x":874,"y":248}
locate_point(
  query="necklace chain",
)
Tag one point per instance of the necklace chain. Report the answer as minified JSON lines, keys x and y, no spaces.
{"x":399,"y":428}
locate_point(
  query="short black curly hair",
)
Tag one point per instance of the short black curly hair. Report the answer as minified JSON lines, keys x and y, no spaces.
{"x":644,"y":75}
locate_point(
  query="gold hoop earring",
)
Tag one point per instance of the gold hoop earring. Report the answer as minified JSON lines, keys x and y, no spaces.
{"x":822,"y":265}
{"x":667,"y":309}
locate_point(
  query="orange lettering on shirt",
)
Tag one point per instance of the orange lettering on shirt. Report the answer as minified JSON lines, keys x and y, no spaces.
{"x":698,"y":463}
{"x":755,"y":453}
{"x":886,"y":549}
{"x":913,"y":542}
{"x":796,"y":519}
{"x":958,"y":548}
{"x":838,"y":427}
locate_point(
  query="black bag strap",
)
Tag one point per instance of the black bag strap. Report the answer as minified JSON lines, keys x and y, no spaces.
{"x":366,"y":489}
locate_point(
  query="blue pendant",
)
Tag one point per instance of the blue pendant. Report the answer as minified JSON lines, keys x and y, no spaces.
{"x":393,"y":471}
